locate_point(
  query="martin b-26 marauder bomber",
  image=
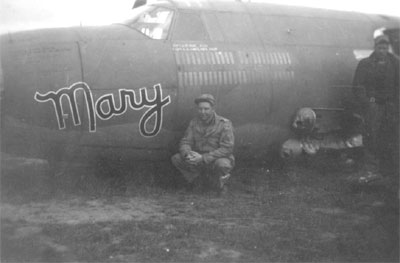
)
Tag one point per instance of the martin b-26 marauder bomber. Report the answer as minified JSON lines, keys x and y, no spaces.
{"x":126,"y":91}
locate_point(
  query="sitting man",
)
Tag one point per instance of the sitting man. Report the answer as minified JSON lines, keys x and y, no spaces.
{"x":207,"y":146}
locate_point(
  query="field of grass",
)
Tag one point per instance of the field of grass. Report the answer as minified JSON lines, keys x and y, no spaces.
{"x":297,"y":214}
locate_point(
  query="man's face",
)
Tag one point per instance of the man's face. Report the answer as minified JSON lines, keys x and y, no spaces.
{"x":204,"y":110}
{"x":381,"y":50}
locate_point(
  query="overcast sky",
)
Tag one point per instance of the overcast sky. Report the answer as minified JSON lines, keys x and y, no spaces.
{"x":29,"y":14}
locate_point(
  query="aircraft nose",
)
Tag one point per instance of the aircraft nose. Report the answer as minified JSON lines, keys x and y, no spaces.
{"x":36,"y":61}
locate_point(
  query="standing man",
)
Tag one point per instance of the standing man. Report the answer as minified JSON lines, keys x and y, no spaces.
{"x":207,"y":146}
{"x":376,"y":83}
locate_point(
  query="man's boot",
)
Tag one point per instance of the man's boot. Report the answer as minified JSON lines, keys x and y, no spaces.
{"x":223,"y":180}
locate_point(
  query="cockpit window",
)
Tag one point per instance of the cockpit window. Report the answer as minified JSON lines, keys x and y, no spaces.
{"x":152,"y":21}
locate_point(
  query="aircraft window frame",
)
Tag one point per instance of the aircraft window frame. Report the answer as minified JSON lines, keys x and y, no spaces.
{"x":180,"y":33}
{"x":212,"y":26}
{"x":155,"y":22}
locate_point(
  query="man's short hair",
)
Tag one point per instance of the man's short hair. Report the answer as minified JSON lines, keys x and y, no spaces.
{"x":205,"y":98}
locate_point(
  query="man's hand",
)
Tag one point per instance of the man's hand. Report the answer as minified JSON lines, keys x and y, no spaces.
{"x":194,"y":158}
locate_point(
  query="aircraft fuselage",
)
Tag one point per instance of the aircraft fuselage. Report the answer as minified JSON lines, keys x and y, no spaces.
{"x":126,"y":91}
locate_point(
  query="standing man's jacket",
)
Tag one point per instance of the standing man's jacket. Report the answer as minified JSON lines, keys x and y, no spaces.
{"x":213,"y":141}
{"x":372,"y":80}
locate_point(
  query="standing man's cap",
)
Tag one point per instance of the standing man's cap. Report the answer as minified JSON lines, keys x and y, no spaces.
{"x":381,"y":39}
{"x":205,"y":98}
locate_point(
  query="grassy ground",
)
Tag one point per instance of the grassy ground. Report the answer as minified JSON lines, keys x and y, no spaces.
{"x":302,"y":213}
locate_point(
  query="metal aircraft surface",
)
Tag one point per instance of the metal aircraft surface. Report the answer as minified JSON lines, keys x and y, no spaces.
{"x":126,"y":90}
